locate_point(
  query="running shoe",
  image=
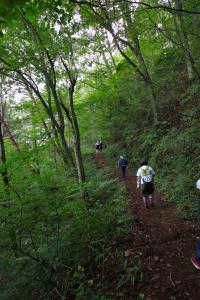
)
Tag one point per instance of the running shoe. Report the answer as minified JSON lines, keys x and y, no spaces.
{"x":196,"y":262}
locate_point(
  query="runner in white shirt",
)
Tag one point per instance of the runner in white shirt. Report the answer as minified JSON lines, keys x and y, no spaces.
{"x":97,"y":146}
{"x":145,"y":176}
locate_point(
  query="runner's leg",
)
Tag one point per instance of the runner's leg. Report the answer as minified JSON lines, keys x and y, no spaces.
{"x":145,"y":199}
{"x":123,"y":172}
{"x":151,"y":200}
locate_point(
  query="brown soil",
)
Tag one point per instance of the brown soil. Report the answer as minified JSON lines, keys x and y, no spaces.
{"x":164,"y":242}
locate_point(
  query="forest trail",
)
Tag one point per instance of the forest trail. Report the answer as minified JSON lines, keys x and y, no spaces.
{"x":164,"y":243}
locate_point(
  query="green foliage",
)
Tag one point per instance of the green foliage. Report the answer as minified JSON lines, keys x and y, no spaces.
{"x":176,"y":156}
{"x":56,"y":244}
{"x":50,"y":234}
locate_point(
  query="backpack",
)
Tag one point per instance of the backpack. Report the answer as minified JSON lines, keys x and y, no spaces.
{"x":146,"y":175}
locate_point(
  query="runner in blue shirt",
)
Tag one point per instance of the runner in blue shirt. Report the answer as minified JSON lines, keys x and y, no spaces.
{"x":122,"y":164}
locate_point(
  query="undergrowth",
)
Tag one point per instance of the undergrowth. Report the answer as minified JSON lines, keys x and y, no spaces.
{"x":56,"y":246}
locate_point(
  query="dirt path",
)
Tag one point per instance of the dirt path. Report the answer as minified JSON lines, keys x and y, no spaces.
{"x":164,"y":243}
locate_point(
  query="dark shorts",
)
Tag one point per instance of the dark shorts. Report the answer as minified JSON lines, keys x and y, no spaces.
{"x":147,"y":189}
{"x":123,"y":170}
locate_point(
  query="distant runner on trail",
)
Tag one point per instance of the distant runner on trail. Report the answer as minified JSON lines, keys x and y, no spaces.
{"x":97,"y":146}
{"x":145,"y":176}
{"x":122,"y":164}
{"x":196,"y":258}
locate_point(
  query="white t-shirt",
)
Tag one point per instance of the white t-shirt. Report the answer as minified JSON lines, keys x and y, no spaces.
{"x":141,"y":170}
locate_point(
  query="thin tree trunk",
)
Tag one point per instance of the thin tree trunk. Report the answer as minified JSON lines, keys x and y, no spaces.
{"x":111,"y":54}
{"x":191,"y":69}
{"x":76,"y":134}
{"x":132,"y":35}
{"x":132,"y":42}
{"x":9,"y":134}
{"x":64,"y":151}
{"x":58,"y":143}
{"x":61,"y":128}
{"x":35,"y":145}
{"x":39,"y":113}
{"x":4,"y":172}
{"x":66,"y":154}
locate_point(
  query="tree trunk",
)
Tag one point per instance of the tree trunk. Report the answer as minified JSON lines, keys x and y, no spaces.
{"x":61,"y":129}
{"x":9,"y":134}
{"x":64,"y":151}
{"x":35,"y":145}
{"x":190,"y":63}
{"x":111,"y":54}
{"x":132,"y":35}
{"x":76,"y":135}
{"x":48,"y":133}
{"x":4,"y":172}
